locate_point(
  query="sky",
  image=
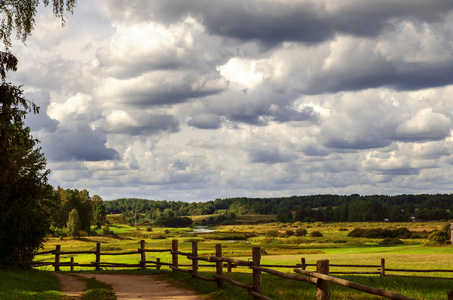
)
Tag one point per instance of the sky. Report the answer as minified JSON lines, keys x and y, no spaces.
{"x":204,"y":99}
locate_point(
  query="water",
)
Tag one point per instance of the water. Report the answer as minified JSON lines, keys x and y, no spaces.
{"x":202,"y":229}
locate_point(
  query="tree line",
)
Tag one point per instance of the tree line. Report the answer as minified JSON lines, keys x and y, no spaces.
{"x":310,"y":208}
{"x":74,"y":212}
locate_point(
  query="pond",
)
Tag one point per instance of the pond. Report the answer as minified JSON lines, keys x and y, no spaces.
{"x":202,"y":229}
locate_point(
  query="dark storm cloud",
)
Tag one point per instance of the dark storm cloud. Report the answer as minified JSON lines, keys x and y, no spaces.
{"x":314,"y":150}
{"x":166,"y":88}
{"x":205,"y":121}
{"x":175,"y":95}
{"x":259,"y":107}
{"x":144,"y":124}
{"x":40,"y":121}
{"x":268,"y":155}
{"x":358,"y":143}
{"x":273,"y":22}
{"x":264,"y":116}
{"x":400,"y":76}
{"x":81,"y":144}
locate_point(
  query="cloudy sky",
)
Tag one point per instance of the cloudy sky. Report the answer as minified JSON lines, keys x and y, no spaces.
{"x":203,"y":99}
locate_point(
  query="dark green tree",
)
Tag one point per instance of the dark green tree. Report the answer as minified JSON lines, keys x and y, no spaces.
{"x":24,"y":205}
{"x":74,"y":225}
{"x":99,"y":211}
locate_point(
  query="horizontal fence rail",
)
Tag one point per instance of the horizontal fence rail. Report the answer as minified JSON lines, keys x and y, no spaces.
{"x":321,"y":278}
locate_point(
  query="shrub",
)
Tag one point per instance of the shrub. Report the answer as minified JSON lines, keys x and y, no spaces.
{"x":357,"y":232}
{"x":339,"y":241}
{"x":316,"y":233}
{"x":343,"y":229}
{"x":441,"y":237}
{"x":273,"y":233}
{"x":106,"y":230}
{"x":390,"y":241}
{"x":373,"y":233}
{"x":149,"y":229}
{"x":300,"y":232}
{"x":403,"y":233}
{"x":289,"y":232}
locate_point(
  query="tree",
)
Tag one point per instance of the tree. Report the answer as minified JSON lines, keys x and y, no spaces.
{"x":99,"y":211}
{"x":24,"y":193}
{"x":74,"y":225}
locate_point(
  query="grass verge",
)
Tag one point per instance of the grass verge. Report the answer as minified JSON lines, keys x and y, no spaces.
{"x":28,"y":284}
{"x":97,"y":290}
{"x":279,"y":288}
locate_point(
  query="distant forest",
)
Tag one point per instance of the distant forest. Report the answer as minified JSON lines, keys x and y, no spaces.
{"x":325,"y":208}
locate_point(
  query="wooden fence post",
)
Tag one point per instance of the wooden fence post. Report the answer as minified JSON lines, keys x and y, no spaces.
{"x":382,"y":266}
{"x":219,"y":265}
{"x":229,"y":266}
{"x":174,"y":255}
{"x":322,"y":287}
{"x":142,"y":254}
{"x":194,"y":259}
{"x":303,"y":264}
{"x":158,"y":264}
{"x":98,"y":256}
{"x":256,"y":256}
{"x":72,"y":263}
{"x":450,"y":295}
{"x":57,"y":258}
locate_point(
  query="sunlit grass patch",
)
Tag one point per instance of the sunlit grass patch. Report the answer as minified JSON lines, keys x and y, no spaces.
{"x":28,"y":284}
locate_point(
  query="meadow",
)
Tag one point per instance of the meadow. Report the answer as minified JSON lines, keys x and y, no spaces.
{"x":281,"y":246}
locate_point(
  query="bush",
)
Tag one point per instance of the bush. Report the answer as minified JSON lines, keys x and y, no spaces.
{"x":441,"y":237}
{"x":316,"y":233}
{"x":106,"y":230}
{"x":289,"y":232}
{"x":390,"y":241}
{"x":374,"y":233}
{"x":357,"y":232}
{"x":300,"y":232}
{"x":273,"y":233}
{"x":402,"y":233}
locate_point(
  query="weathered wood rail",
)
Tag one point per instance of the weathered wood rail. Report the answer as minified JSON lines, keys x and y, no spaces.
{"x":321,"y":277}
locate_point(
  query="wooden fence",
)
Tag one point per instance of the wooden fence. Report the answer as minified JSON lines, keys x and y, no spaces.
{"x":321,"y":277}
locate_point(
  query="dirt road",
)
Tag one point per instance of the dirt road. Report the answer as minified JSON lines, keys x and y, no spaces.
{"x":130,"y":287}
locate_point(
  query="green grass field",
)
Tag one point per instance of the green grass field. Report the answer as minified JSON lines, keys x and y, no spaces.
{"x":21,"y":284}
{"x":335,"y":245}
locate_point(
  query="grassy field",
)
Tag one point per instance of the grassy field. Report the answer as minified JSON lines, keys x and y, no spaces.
{"x":282,"y":248}
{"x":238,"y":240}
{"x":21,"y":284}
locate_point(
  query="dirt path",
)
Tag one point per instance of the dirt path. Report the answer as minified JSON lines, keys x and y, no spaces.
{"x":130,"y":287}
{"x":71,"y":285}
